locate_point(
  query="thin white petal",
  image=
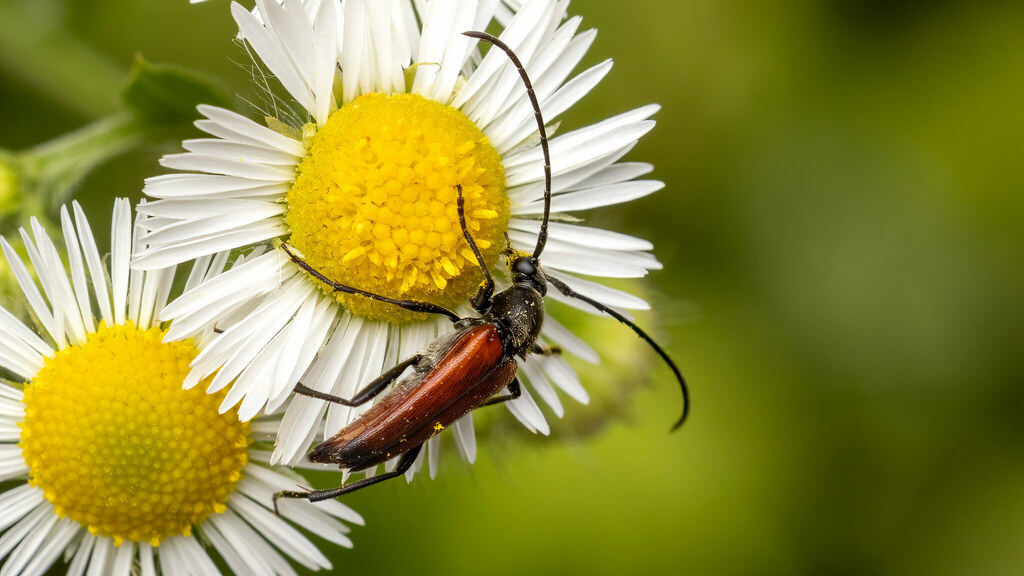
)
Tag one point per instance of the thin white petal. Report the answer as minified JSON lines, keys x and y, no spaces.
{"x":228,"y":240}
{"x":526,"y":411}
{"x":281,"y":533}
{"x":31,"y":291}
{"x":74,"y":252}
{"x":465,"y":437}
{"x":569,"y":342}
{"x":192,"y":162}
{"x":583,"y":235}
{"x":253,"y":153}
{"x":235,"y":123}
{"x":29,"y":545}
{"x":250,"y":543}
{"x":539,"y":382}
{"x":56,"y":543}
{"x":97,"y":273}
{"x":563,"y":376}
{"x":269,"y":46}
{"x":18,"y":502}
{"x":121,"y":252}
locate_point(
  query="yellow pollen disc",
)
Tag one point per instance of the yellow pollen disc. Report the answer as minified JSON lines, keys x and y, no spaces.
{"x":374,"y":205}
{"x":117,"y":445}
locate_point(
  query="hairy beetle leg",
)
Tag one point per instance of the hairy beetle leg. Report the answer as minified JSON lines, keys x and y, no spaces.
{"x":404,"y":463}
{"x":367,"y":393}
{"x":515,"y":391}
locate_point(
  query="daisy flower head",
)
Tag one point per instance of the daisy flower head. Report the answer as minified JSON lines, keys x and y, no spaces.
{"x":396,"y":109}
{"x":106,"y":459}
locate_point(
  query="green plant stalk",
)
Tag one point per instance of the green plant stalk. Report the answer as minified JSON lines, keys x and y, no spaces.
{"x":48,"y":174}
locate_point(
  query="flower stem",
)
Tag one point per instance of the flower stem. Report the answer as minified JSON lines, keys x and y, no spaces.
{"x":49,"y":172}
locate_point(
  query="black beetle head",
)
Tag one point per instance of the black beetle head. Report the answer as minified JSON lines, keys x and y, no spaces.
{"x":525,"y":270}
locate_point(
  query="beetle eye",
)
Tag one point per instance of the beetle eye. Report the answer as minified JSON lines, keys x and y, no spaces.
{"x":524,"y":265}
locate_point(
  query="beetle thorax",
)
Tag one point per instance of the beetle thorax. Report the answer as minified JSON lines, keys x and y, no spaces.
{"x":519,"y":310}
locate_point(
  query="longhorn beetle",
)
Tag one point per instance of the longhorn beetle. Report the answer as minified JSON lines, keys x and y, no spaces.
{"x":460,"y":371}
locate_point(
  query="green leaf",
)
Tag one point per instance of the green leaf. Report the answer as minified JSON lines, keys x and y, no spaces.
{"x":165,"y":94}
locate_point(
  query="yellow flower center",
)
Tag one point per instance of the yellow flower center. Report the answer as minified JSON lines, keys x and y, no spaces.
{"x":374,"y":204}
{"x":117,"y":445}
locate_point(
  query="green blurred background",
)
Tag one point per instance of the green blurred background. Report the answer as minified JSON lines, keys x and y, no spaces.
{"x":842,"y":233}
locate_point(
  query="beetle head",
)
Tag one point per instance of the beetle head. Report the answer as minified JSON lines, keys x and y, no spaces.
{"x":526,"y":271}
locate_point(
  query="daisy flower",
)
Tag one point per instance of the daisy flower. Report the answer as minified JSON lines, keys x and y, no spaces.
{"x":108,"y":462}
{"x":390,"y":107}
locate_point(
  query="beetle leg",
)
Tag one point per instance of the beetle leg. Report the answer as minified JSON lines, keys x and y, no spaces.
{"x":515,"y":391}
{"x":404,"y":463}
{"x":410,"y":305}
{"x":545,"y":350}
{"x":481,"y":301}
{"x":368,"y":392}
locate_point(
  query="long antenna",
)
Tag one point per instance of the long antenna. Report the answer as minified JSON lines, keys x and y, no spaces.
{"x":542,"y":238}
{"x":565,"y":289}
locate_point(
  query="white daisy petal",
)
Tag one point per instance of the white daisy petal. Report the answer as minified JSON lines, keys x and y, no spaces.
{"x":121,"y":250}
{"x":229,"y":353}
{"x":29,"y":545}
{"x":563,"y":376}
{"x":539,"y":383}
{"x":353,"y":46}
{"x":54,"y":280}
{"x":123,"y":557}
{"x":82,"y":555}
{"x":299,"y":422}
{"x":237,"y":561}
{"x":81,"y":289}
{"x":290,"y":540}
{"x":567,"y":155}
{"x":26,"y":528}
{"x":606,"y":264}
{"x":213,"y":218}
{"x":526,"y":411}
{"x":548,"y":72}
{"x":568,"y":341}
{"x":597,"y":197}
{"x":369,"y":351}
{"x":97,"y":273}
{"x":202,"y":305}
{"x":232,"y":124}
{"x":57,"y":541}
{"x":253,"y":153}
{"x":567,"y":181}
{"x":228,"y":167}
{"x":600,"y":292}
{"x":520,"y":126}
{"x":583,"y":235}
{"x":207,"y":244}
{"x":269,"y":47}
{"x":465,"y":437}
{"x":494,"y":62}
{"x":146,"y":561}
{"x":12,"y":465}
{"x":434,"y":455}
{"x":250,"y":543}
{"x":18,"y":502}
{"x":189,"y":187}
{"x":326,"y":61}
{"x":20,"y":350}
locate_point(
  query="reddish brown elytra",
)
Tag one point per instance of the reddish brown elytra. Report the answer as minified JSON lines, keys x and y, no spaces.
{"x":460,"y":371}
